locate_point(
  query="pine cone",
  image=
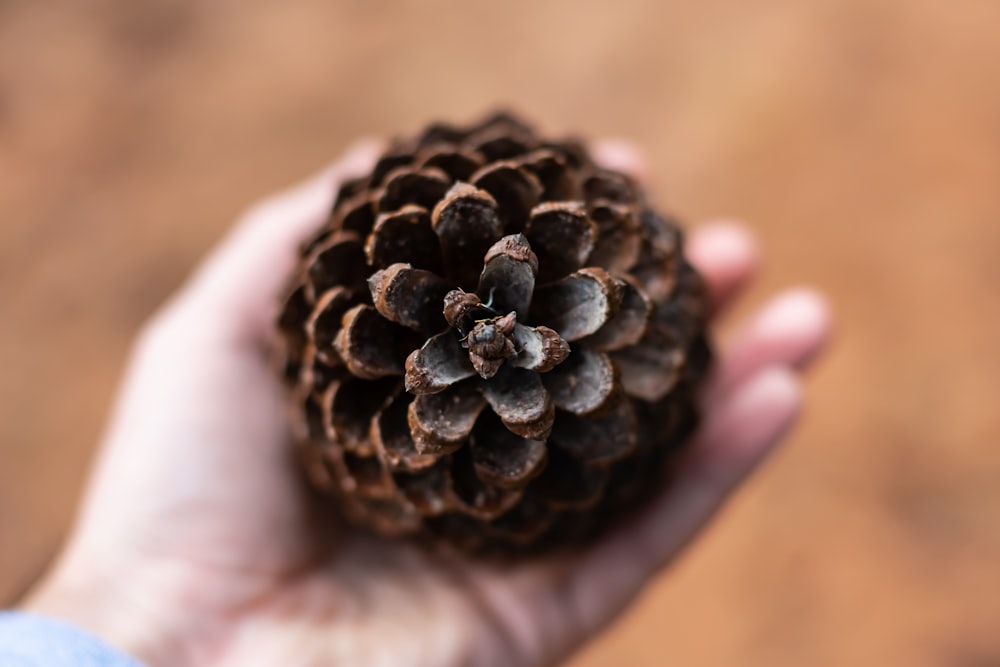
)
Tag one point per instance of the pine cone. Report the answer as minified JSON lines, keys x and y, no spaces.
{"x":492,"y":341}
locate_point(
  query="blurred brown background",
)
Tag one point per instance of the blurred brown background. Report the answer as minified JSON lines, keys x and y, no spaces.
{"x":861,"y":138}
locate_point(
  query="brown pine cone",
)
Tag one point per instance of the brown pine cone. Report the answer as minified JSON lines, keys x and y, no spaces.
{"x":492,"y":341}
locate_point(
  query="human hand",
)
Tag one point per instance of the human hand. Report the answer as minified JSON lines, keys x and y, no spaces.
{"x":198,"y":542}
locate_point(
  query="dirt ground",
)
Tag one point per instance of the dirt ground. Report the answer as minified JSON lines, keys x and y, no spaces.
{"x":860,"y":137}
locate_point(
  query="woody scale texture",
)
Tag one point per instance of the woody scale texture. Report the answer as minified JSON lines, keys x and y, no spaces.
{"x":492,"y":342}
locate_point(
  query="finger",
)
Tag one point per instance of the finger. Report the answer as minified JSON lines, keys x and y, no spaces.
{"x":726,"y":256}
{"x":621,"y":155}
{"x":789,"y":331}
{"x":736,"y":436}
{"x":238,"y":286}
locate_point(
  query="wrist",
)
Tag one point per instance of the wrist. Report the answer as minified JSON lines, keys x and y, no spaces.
{"x":104,"y":606}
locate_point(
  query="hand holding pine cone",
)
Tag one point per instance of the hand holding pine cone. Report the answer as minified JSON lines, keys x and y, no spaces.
{"x":493,"y":342}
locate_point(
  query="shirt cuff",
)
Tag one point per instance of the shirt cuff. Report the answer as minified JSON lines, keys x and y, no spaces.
{"x":30,"y":640}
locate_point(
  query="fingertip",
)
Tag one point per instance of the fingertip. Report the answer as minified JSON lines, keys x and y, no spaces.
{"x":621,"y":155}
{"x":815,"y":314}
{"x":724,"y":243}
{"x":726,"y":255}
{"x":800,"y":319}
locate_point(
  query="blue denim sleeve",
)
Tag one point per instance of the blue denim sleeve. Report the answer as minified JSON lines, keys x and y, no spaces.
{"x":27,"y":640}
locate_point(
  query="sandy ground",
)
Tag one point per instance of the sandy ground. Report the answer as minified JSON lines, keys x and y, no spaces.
{"x":860,"y":137}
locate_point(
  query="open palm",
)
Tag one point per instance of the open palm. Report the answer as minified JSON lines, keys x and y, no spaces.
{"x":199,"y":543}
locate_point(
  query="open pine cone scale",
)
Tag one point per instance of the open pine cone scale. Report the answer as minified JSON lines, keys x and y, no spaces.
{"x":492,"y":341}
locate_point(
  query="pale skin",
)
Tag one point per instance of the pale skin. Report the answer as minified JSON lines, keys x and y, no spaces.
{"x":198,"y":543}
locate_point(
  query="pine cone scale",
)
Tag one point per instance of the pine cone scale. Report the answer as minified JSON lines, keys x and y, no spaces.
{"x":441,"y":422}
{"x":440,"y":363}
{"x":404,"y":236}
{"x":467,"y":225}
{"x":458,"y":163}
{"x":323,"y":324}
{"x":579,"y":304}
{"x":507,"y":281}
{"x":409,"y":297}
{"x":563,"y":236}
{"x":629,"y":325}
{"x":515,"y":190}
{"x":619,"y":244}
{"x":521,"y":401}
{"x":601,"y":438}
{"x":369,"y":344}
{"x":393,"y":441}
{"x":584,"y":384}
{"x":504,"y":459}
{"x":538,"y":349}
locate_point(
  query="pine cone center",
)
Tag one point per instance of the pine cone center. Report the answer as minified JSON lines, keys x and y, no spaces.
{"x":490,"y":343}
{"x":486,"y":334}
